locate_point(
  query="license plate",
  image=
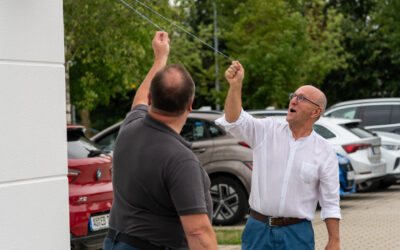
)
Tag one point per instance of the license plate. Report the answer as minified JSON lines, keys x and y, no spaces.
{"x":351,"y":175}
{"x":376,"y":150}
{"x":99,"y":222}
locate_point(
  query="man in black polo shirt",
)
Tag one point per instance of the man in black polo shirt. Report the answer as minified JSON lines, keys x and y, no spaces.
{"x":161,"y":192}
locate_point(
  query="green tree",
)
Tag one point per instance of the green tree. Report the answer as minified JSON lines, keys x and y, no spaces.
{"x":370,"y":29}
{"x":282,"y":45}
{"x":107,"y":52}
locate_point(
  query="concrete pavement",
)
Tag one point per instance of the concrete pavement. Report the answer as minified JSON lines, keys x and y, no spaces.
{"x":369,"y":221}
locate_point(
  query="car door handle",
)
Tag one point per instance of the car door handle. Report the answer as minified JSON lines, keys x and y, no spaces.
{"x":199,"y":150}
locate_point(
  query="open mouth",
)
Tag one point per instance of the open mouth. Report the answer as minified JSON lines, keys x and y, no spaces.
{"x":292,"y":110}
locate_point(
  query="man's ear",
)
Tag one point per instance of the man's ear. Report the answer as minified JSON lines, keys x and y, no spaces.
{"x":149,"y":99}
{"x":190,"y":105}
{"x":316,"y":113}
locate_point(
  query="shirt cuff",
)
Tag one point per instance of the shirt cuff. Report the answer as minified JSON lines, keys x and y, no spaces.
{"x":223,"y":122}
{"x":330,"y":213}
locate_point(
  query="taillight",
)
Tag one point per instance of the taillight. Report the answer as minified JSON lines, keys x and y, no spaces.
{"x":72,"y":175}
{"x":242,"y":143}
{"x":249,"y":164}
{"x":351,"y":148}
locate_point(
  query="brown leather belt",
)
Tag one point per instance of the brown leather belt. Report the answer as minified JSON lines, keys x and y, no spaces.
{"x":275,"y":221}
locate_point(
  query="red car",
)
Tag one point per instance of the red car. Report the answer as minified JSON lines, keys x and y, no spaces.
{"x":90,"y":190}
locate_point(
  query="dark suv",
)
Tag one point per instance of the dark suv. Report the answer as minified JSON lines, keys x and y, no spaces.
{"x":227,"y":160}
{"x":380,"y":114}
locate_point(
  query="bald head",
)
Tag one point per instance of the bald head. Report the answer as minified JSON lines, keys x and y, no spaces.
{"x":315,"y":94}
{"x":172,"y":90}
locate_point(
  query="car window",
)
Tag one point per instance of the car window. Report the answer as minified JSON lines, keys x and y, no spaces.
{"x":107,"y":142}
{"x":193,"y":130}
{"x":375,"y":115}
{"x":79,"y":147}
{"x":214,"y":130}
{"x":324,"y":132}
{"x":395,"y":114}
{"x":348,"y":113}
{"x":359,"y":131}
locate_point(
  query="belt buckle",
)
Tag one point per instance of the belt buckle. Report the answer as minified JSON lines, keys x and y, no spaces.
{"x":270,"y":221}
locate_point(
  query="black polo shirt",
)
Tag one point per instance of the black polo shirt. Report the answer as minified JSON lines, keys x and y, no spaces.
{"x":156,"y":178}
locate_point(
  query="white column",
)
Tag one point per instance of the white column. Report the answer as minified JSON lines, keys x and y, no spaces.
{"x":33,"y":150}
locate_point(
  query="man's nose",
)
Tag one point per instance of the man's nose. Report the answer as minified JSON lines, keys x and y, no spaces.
{"x":294,"y":100}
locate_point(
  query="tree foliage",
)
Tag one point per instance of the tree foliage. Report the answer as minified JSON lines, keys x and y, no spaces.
{"x":283,"y":45}
{"x":370,"y":31}
{"x":107,"y":50}
{"x":349,"y":48}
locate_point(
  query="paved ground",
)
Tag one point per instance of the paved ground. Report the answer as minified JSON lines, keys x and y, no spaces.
{"x":369,"y":221}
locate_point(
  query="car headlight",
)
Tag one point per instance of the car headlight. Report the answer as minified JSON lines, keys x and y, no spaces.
{"x":391,"y":146}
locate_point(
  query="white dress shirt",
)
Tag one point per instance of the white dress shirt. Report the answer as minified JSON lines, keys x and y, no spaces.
{"x":289,"y":176}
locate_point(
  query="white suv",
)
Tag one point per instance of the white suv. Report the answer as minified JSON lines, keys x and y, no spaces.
{"x":381,"y":114}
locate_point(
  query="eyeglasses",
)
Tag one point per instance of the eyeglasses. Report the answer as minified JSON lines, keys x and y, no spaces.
{"x":301,"y":98}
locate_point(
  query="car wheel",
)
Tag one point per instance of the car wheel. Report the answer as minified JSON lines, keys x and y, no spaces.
{"x":229,"y":201}
{"x":386,"y":184}
{"x":367,"y":186}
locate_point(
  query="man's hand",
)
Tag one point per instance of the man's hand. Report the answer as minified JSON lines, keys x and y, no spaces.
{"x":161,"y":45}
{"x":333,"y":245}
{"x":233,"y":103}
{"x":161,"y":50}
{"x":235,"y":74}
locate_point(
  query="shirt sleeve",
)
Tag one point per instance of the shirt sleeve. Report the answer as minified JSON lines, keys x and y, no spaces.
{"x":329,"y":196}
{"x":187,"y":187}
{"x":138,"y":112}
{"x":247,"y":128}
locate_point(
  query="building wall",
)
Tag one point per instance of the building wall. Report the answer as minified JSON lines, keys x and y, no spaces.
{"x":33,"y":150}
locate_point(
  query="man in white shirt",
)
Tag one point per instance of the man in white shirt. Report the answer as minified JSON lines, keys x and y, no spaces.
{"x":293,"y":169}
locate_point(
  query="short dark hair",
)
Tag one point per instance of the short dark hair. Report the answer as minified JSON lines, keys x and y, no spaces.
{"x":172,"y":94}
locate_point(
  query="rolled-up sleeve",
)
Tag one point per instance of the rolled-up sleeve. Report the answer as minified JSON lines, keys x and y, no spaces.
{"x":246,"y":128}
{"x":329,"y":196}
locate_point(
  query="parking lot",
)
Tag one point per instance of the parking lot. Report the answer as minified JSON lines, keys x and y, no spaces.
{"x":369,"y":221}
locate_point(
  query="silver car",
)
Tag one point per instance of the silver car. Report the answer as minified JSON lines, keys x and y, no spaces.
{"x":360,"y":146}
{"x":381,"y":114}
{"x":391,"y":154}
{"x":227,"y":160}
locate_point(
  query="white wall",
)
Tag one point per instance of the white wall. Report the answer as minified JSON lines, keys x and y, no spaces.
{"x":33,"y":153}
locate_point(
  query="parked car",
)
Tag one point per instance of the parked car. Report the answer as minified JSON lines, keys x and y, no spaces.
{"x":90,"y":190}
{"x":360,"y":146}
{"x":381,"y":114}
{"x":267,"y":112}
{"x":391,"y":153}
{"x":227,"y":160}
{"x":346,"y":176}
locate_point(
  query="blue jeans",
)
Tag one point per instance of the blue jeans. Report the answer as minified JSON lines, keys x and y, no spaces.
{"x":259,"y":235}
{"x":112,"y":244}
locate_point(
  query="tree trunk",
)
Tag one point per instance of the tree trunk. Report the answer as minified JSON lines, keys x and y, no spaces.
{"x":85,"y":121}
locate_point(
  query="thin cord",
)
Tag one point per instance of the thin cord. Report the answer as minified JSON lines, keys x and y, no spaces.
{"x":170,"y":21}
{"x":140,"y":14}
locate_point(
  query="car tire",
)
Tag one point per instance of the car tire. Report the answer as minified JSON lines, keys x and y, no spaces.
{"x":367,"y":186}
{"x":386,"y":184}
{"x":229,"y":200}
